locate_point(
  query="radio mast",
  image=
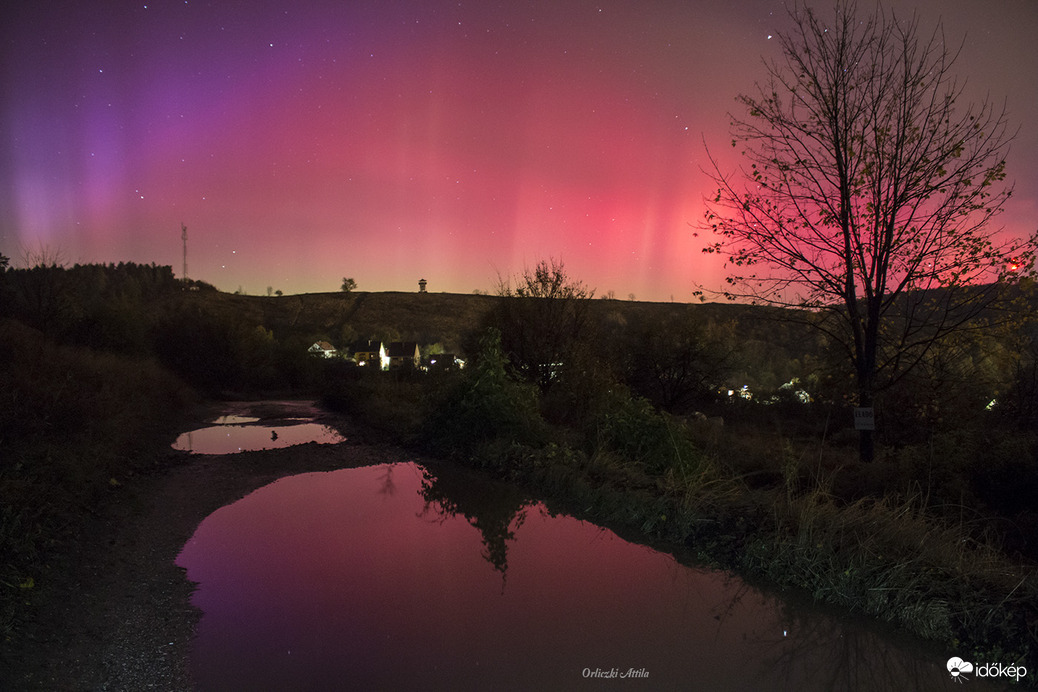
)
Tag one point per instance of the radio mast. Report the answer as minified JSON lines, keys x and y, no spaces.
{"x":183,"y":235}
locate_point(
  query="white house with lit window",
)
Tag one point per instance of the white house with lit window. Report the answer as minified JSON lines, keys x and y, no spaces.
{"x":323,"y":349}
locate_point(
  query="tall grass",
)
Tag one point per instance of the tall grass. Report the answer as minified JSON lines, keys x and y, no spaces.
{"x":902,"y":552}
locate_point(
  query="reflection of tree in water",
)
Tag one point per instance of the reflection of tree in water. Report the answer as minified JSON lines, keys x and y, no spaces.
{"x":495,"y":509}
{"x":388,"y":486}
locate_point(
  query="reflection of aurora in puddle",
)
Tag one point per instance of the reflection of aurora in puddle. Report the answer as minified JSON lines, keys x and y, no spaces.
{"x":240,"y":434}
{"x":235,"y":420}
{"x":388,"y":577}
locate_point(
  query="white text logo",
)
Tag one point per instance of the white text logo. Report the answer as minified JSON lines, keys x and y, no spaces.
{"x":958,"y":669}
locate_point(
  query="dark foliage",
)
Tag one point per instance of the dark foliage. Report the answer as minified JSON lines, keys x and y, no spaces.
{"x":484,"y":405}
{"x":102,"y":306}
{"x":542,"y":320}
{"x":680,"y":365}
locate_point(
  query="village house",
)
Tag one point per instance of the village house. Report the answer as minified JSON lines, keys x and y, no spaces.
{"x":370,"y":352}
{"x":403,"y":354}
{"x":322,"y":348}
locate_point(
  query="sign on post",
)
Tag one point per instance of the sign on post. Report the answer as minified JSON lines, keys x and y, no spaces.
{"x":865,"y":418}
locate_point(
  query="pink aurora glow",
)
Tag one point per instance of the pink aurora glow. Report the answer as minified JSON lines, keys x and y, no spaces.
{"x":304,"y":142}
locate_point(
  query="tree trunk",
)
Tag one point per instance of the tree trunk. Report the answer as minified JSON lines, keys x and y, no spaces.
{"x":866,"y":447}
{"x":866,"y":443}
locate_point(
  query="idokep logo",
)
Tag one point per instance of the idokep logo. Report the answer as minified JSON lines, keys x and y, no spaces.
{"x":959,"y":668}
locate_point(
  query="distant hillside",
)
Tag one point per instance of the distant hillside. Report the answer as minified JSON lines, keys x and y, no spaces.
{"x":423,"y":317}
{"x":214,"y":337}
{"x":449,"y":318}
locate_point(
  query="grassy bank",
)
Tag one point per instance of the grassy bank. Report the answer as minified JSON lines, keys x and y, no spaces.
{"x":75,"y":426}
{"x":793,"y":510}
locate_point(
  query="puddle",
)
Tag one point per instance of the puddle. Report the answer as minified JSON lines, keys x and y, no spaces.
{"x":233,"y":433}
{"x":396,"y":577}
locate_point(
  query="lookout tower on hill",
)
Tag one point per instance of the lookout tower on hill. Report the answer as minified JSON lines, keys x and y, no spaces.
{"x":421,"y":285}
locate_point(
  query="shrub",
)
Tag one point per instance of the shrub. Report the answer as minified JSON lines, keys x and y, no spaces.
{"x":485,"y":405}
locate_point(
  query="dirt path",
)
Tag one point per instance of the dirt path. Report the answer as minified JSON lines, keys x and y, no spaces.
{"x":118,"y":616}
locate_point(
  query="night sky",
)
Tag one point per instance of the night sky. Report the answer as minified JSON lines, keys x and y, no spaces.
{"x":301,"y":142}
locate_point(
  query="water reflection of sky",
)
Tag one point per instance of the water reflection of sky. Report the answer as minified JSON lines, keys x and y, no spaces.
{"x":346,"y":580}
{"x":237,"y":434}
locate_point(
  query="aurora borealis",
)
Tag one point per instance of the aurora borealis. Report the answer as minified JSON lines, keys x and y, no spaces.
{"x":456,"y":141}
